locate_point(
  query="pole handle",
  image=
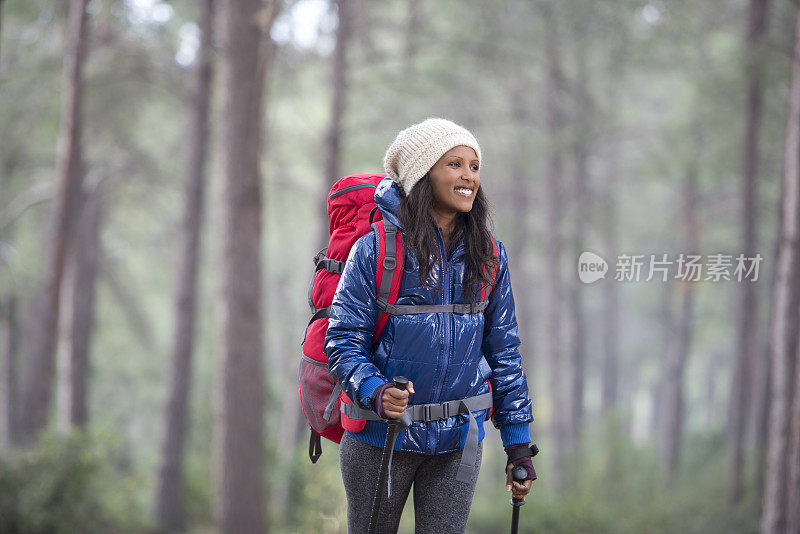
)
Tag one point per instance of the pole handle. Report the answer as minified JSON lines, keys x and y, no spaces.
{"x":519,"y":474}
{"x":400,"y":382}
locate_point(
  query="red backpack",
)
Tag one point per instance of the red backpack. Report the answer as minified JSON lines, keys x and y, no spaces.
{"x":352,"y":213}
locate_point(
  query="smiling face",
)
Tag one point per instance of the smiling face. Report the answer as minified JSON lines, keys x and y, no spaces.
{"x":455,"y":180}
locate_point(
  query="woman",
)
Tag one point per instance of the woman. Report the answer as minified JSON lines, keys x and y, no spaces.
{"x":432,"y":195}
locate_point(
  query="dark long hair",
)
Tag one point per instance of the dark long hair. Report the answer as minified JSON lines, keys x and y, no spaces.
{"x":420,"y":230}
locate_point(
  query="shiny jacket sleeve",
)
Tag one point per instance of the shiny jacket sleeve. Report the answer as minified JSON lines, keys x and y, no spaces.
{"x":512,"y":404}
{"x":348,"y":341}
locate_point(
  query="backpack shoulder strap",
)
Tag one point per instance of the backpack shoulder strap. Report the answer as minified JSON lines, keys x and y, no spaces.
{"x":389,"y":270}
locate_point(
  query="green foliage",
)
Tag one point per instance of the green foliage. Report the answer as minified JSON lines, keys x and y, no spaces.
{"x":73,"y":483}
{"x":637,"y":499}
{"x":66,"y":484}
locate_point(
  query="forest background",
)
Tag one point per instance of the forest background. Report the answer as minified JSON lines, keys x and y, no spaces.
{"x":164,"y":167}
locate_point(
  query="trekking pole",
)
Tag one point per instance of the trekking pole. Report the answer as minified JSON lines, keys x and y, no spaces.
{"x":518,"y":473}
{"x":394,"y":428}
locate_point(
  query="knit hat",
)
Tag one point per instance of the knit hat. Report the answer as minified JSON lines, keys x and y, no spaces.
{"x":417,"y":148}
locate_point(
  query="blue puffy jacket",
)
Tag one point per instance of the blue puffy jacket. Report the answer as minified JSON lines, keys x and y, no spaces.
{"x":447,"y":356}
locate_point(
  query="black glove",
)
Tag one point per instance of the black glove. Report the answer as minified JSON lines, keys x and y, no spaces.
{"x":521,"y":454}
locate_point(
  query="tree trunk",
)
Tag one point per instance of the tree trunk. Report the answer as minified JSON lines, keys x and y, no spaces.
{"x":610,"y":368}
{"x":520,"y":239}
{"x":8,"y":376}
{"x":580,"y":216}
{"x":1,"y":28}
{"x":741,"y":390}
{"x":785,"y":322}
{"x":339,"y":96}
{"x":672,"y":392}
{"x":414,"y":16}
{"x":761,"y":388}
{"x":762,"y":441}
{"x":79,"y":320}
{"x":169,"y":509}
{"x":609,"y":227}
{"x":610,"y":330}
{"x":239,"y":441}
{"x":793,"y":460}
{"x":554,"y":209}
{"x":41,"y":365}
{"x":659,"y":386}
{"x":339,"y":78}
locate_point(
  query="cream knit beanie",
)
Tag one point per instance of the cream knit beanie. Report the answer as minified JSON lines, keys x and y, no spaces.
{"x":417,"y":148}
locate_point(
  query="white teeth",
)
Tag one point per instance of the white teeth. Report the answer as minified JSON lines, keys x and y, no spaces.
{"x":463,"y":191}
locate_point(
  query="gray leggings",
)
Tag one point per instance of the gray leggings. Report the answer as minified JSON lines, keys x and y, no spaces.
{"x":441,"y":503}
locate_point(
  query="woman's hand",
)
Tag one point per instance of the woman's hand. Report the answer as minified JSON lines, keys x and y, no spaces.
{"x":394,"y":401}
{"x":518,"y":491}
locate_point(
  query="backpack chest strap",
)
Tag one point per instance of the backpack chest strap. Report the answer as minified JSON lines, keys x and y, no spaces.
{"x":410,"y":309}
{"x":384,"y":288}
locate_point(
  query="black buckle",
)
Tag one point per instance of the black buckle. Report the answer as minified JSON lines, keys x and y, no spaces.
{"x":426,"y":413}
{"x":383,"y":304}
{"x":435,"y":412}
{"x":336,"y":266}
{"x":464,"y":308}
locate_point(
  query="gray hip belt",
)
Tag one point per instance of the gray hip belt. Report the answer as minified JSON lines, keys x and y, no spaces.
{"x":435,"y":412}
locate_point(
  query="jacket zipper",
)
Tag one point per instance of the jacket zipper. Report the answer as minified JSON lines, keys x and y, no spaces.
{"x":447,"y":318}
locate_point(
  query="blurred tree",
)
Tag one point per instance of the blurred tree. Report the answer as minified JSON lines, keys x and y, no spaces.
{"x":8,"y":373}
{"x":40,"y":374}
{"x":79,"y":299}
{"x":582,"y":120}
{"x":333,"y":144}
{"x":673,"y":388}
{"x":1,"y":19}
{"x":666,"y":316}
{"x":413,"y":21}
{"x":339,"y":70}
{"x":169,"y":499}
{"x":608,"y":220}
{"x":746,"y":361}
{"x":520,"y":242}
{"x":554,"y":87}
{"x":239,"y":436}
{"x":781,"y":493}
{"x":763,"y":411}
